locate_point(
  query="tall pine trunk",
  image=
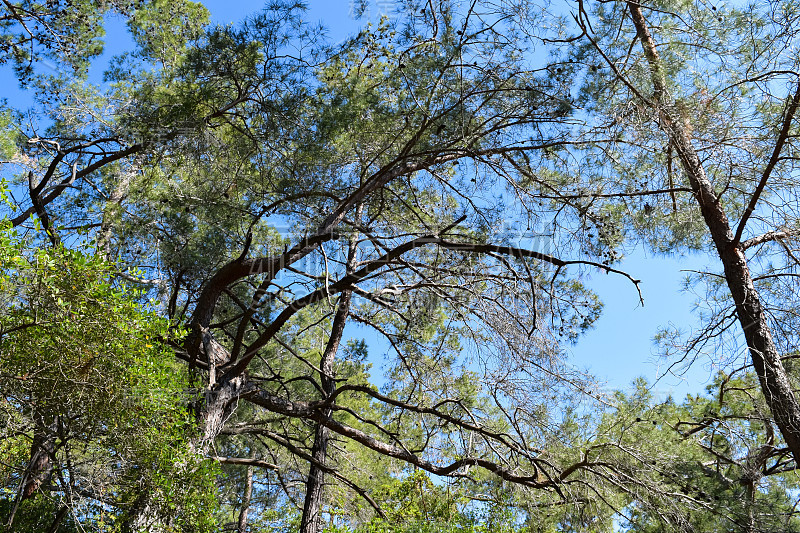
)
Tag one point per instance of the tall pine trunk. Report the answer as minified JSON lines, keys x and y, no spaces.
{"x":312,"y":506}
{"x":311,"y":521}
{"x":764,"y":354}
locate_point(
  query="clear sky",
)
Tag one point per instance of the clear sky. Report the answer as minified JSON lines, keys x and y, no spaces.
{"x":620,"y":348}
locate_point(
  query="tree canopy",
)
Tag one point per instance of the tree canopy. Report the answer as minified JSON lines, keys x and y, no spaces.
{"x":205,"y":253}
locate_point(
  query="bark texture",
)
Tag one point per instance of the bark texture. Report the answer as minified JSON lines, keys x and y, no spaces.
{"x":312,"y":506}
{"x":40,"y":468}
{"x":248,"y":493}
{"x":764,"y":354}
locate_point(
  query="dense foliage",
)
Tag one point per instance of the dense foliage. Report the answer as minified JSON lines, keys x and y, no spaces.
{"x":205,"y":254}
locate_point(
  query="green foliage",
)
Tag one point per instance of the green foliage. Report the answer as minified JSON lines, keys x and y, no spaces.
{"x":415,"y":504}
{"x":69,"y":31}
{"x":711,"y":463}
{"x":88,"y":367}
{"x":8,"y":136}
{"x":208,"y":140}
{"x":162,"y":28}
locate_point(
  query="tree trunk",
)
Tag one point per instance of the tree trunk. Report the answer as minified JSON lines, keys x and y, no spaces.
{"x":312,"y":506}
{"x":112,"y":208}
{"x":772,"y":376}
{"x":248,"y":493}
{"x":220,"y":402}
{"x":40,"y":468}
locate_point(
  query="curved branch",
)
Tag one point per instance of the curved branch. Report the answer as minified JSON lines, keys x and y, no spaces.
{"x":313,"y":411}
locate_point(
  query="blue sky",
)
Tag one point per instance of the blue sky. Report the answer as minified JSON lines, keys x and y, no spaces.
{"x":620,"y":347}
